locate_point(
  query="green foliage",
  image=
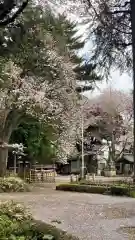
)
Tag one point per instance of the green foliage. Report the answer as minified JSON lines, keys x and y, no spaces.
{"x":82,"y":188}
{"x":111,"y":32}
{"x":37,"y":137}
{"x":16,"y":223}
{"x":57,"y":233}
{"x":13,"y":184}
{"x":124,"y":190}
{"x":132,"y":193}
{"x":15,"y":211}
{"x":119,"y":190}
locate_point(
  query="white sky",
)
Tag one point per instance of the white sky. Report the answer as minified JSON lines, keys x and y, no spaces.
{"x":120,"y":82}
{"x":117,"y":81}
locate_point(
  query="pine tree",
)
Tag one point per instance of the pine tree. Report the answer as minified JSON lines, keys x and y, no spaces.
{"x":110,"y":25}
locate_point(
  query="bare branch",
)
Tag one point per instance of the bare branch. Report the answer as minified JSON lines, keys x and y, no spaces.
{"x":9,"y":20}
{"x":118,"y":30}
{"x":119,"y":11}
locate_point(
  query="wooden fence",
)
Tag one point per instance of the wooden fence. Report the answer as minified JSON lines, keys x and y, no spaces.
{"x":34,"y":175}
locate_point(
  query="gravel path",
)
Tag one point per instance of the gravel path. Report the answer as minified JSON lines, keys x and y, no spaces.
{"x":88,"y":216}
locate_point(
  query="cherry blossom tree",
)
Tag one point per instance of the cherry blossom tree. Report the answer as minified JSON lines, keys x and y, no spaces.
{"x":112,"y":113}
{"x":36,"y":81}
{"x":38,"y":97}
{"x":38,"y":78}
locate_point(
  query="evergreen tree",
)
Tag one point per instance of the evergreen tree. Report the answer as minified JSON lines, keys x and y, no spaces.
{"x":37,"y":138}
{"x":111,"y":30}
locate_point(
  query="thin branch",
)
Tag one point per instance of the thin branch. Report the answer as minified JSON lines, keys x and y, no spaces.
{"x":122,"y":44}
{"x":117,"y":157}
{"x":11,"y":19}
{"x":119,"y":11}
{"x":123,"y":6}
{"x":128,"y":33}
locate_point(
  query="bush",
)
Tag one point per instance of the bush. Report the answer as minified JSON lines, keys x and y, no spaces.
{"x":15,"y":211}
{"x":16,"y":223}
{"x":51,"y":230}
{"x":13,"y":184}
{"x":86,"y":182}
{"x":132,"y":193}
{"x":82,"y":188}
{"x":119,"y":190}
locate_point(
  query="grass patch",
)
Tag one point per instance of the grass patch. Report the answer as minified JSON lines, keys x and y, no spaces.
{"x":82,"y":188}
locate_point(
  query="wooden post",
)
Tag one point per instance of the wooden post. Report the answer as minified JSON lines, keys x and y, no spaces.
{"x":15,"y":163}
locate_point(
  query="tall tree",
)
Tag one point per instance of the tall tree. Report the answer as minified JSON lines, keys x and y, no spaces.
{"x":112,"y":113}
{"x":110,"y":27}
{"x":36,"y":79}
{"x":38,"y":139}
{"x":65,"y":32}
{"x":114,"y":34}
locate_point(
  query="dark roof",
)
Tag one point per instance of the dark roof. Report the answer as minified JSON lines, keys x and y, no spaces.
{"x":127,"y":157}
{"x":86,"y":153}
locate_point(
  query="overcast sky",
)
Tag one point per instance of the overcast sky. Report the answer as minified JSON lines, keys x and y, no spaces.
{"x":117,"y":81}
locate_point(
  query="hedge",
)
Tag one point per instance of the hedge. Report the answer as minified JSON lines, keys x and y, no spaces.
{"x":82,"y":188}
{"x":101,"y":189}
{"x":122,"y":191}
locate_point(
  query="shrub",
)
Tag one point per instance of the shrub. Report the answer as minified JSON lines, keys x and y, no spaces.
{"x":15,"y":211}
{"x":52,"y":230}
{"x":16,"y":223}
{"x":86,"y":182}
{"x":119,"y":191}
{"x":132,"y":193}
{"x":82,"y":188}
{"x":13,"y":184}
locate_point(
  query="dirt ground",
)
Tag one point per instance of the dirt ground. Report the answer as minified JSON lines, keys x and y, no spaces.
{"x":88,"y":216}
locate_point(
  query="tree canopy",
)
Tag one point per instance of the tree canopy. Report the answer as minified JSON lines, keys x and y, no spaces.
{"x":110,"y":29}
{"x":38,"y":138}
{"x":111,"y":114}
{"x":37,"y":78}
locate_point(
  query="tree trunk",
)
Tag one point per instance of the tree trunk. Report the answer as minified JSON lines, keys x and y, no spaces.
{"x":132,"y":2}
{"x":3,"y":161}
{"x":10,"y":122}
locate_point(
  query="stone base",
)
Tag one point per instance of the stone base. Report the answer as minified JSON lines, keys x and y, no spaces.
{"x":98,"y":172}
{"x":109,"y":173}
